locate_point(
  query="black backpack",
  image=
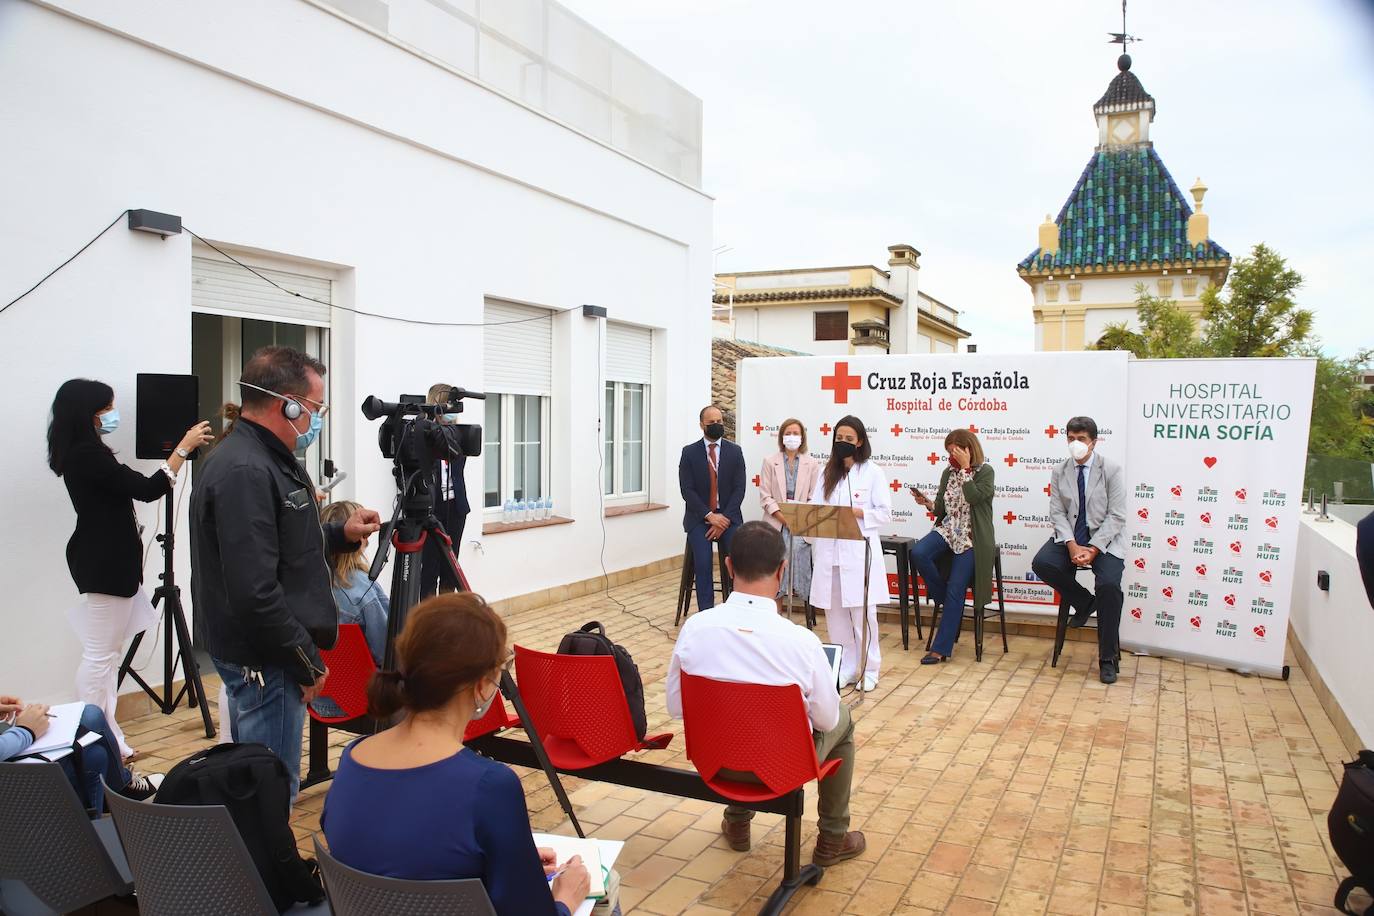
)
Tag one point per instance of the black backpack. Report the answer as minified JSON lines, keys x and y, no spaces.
{"x":592,"y":640}
{"x":253,"y":783}
{"x":1351,"y":824}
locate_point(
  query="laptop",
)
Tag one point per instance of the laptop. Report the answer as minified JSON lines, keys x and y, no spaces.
{"x":833,"y":654}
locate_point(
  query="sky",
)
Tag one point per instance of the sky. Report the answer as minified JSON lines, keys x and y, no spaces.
{"x":835,"y":130}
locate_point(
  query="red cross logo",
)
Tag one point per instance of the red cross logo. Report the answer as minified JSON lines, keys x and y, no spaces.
{"x":895,"y":485}
{"x":756,"y":480}
{"x":933,"y":458}
{"x":1047,"y":489}
{"x":1010,"y":460}
{"x":972,"y":428}
{"x":841,"y":383}
{"x":930,"y":515}
{"x":1009,"y":517}
{"x":825,"y":429}
{"x":1051,"y":431}
{"x":758,"y":428}
{"x":896,"y":429}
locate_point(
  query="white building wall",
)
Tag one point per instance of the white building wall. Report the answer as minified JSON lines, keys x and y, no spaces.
{"x":788,"y":326}
{"x":280,"y":127}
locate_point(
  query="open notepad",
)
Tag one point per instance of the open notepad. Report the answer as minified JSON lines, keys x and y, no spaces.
{"x":598,"y":855}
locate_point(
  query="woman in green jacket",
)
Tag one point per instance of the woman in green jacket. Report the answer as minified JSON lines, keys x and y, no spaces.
{"x":963,"y":530}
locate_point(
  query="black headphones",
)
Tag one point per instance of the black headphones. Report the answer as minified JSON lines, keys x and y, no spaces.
{"x":290,"y":409}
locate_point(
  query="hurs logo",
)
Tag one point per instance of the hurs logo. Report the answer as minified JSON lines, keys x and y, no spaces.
{"x":1140,"y":542}
{"x":1237,"y":523}
{"x":1144,"y":491}
{"x":1206,"y":494}
{"x":1260,"y":606}
{"x":1164,"y":620}
{"x":1136,"y":590}
{"x":1197,"y":598}
{"x":1274,"y":498}
{"x":1226,"y":628}
{"x":1266,"y":551}
{"x":1204,"y":547}
{"x":1174,"y":517}
{"x":1232,"y":575}
{"x":1169,"y":568}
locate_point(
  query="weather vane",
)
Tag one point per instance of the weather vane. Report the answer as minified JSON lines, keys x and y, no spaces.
{"x":1122,"y":38}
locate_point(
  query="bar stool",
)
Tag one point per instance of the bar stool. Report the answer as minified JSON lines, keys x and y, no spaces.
{"x":687,"y":586}
{"x":978,"y":618}
{"x":1061,"y":629}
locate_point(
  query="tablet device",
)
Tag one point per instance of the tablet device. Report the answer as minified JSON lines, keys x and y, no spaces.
{"x":833,"y":654}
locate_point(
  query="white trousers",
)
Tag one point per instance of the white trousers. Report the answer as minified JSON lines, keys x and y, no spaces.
{"x":104,"y":623}
{"x":845,"y":626}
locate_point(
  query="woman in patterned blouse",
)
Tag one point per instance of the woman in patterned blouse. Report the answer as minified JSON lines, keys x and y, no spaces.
{"x":961,"y":546}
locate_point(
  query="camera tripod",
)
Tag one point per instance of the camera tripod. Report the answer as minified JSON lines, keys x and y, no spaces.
{"x":174,"y":628}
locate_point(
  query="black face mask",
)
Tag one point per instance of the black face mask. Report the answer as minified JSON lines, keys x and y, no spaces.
{"x":715,"y":430}
{"x":843,"y":450}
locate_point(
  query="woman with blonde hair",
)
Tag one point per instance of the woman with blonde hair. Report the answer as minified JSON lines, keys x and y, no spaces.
{"x":358,"y":599}
{"x":963,"y":538}
{"x":789,"y":475}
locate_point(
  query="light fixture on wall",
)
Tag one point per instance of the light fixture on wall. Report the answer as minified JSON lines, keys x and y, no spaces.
{"x":593,"y":311}
{"x":163,"y":224}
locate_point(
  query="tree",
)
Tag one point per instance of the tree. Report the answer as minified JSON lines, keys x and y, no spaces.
{"x":1260,"y":317}
{"x":1166,"y":331}
{"x":1339,"y":403}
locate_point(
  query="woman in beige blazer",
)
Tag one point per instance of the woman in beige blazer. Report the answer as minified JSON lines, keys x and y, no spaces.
{"x":789,"y":475}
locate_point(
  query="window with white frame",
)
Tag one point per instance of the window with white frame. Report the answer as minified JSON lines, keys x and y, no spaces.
{"x":625,"y":418}
{"x":518,"y":350}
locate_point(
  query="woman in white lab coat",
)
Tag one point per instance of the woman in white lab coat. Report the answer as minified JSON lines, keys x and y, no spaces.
{"x":837,"y":581}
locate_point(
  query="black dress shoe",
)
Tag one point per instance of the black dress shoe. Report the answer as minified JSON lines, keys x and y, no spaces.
{"x":1081,"y":617}
{"x":1107,"y":672}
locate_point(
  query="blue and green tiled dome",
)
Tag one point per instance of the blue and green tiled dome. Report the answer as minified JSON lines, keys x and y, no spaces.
{"x":1125,"y":211}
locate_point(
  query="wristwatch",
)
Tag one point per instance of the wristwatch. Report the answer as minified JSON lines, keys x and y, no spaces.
{"x":183,"y":453}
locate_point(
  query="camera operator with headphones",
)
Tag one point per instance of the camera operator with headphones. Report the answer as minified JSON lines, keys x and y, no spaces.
{"x":260,"y":581}
{"x":450,"y":499}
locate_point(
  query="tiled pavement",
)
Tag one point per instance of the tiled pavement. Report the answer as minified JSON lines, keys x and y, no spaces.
{"x":1006,"y":786}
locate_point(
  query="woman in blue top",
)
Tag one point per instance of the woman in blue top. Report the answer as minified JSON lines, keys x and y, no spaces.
{"x":358,"y":599}
{"x":412,"y":802}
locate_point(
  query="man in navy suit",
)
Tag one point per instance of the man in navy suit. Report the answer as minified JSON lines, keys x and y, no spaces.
{"x":711,"y":474}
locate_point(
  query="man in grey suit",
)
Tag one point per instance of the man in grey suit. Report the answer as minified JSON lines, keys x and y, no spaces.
{"x":1088,"y":507}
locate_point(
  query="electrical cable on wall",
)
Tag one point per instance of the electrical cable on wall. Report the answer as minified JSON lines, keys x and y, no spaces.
{"x":117,"y":218}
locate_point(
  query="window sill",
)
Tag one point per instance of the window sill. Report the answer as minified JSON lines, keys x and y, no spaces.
{"x":616,"y":511}
{"x":503,"y":527}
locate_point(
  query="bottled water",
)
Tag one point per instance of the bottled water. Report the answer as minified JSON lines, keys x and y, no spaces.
{"x":508,"y":511}
{"x":546,"y":508}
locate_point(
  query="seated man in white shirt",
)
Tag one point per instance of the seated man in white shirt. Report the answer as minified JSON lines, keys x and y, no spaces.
{"x":746,"y":640}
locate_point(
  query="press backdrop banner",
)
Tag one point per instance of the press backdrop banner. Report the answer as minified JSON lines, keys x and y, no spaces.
{"x":1017,"y":405}
{"x":1218,"y":450}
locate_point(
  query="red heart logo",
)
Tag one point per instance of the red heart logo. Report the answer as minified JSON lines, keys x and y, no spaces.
{"x":1266,"y":576}
{"x":1209,"y":461}
{"x":1143,"y":513}
{"x":1272,"y":522}
{"x":1139,"y":563}
{"x":1201,"y":569}
{"x":1259,"y":631}
{"x":1168,"y":591}
{"x":1173,"y":541}
{"x":1207,"y":518}
{"x":1235,"y":546}
{"x":1176,"y":490}
{"x":1230,"y":600}
{"x":1135,"y":612}
{"x":1240,"y":494}
{"x":1195,"y":621}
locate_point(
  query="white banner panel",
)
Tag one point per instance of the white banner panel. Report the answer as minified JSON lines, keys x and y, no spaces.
{"x":1016,"y":404}
{"x":1218,"y":450}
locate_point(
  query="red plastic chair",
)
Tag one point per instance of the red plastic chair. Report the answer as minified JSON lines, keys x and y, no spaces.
{"x":350,"y":667}
{"x":496,"y":719}
{"x":752,"y":728}
{"x":578,"y":708}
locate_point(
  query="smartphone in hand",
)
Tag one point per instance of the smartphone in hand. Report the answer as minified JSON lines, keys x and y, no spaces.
{"x":915,"y":491}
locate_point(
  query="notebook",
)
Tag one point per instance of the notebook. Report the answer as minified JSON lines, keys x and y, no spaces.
{"x":597,"y":855}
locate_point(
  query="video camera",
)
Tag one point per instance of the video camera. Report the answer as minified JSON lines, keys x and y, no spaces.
{"x":413,"y":437}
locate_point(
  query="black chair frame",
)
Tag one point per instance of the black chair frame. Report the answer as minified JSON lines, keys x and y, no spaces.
{"x":978,"y":618}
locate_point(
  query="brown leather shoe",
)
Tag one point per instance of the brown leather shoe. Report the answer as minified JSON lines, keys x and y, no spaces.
{"x":832,"y":849}
{"x":736,"y":834}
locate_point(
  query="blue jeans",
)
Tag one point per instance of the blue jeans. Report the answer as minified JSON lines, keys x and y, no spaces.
{"x":266,"y":708}
{"x":948,"y":594}
{"x":702,"y":559}
{"x":97,"y":760}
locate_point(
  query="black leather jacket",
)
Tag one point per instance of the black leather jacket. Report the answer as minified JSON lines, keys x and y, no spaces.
{"x":260,"y":582}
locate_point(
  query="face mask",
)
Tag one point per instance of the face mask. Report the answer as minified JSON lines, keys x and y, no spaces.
{"x":1078,"y":450}
{"x":306,"y":439}
{"x":715,"y":431}
{"x":792,"y":443}
{"x":109,"y":422}
{"x":450,"y":418}
{"x":843,"y":450}
{"x":482,"y":706}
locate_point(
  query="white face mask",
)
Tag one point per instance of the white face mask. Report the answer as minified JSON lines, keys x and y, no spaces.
{"x":1078,"y":450}
{"x":791,"y":442}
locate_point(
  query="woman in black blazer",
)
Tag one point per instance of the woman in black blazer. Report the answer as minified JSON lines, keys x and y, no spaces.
{"x":105,"y":553}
